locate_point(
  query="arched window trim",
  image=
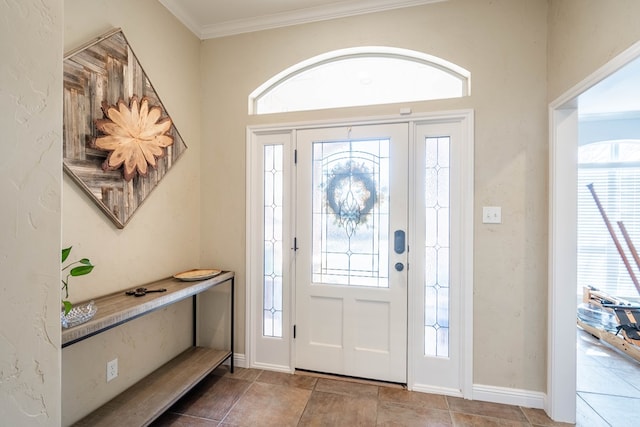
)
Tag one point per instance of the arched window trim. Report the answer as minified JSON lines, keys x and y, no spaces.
{"x":366,"y":51}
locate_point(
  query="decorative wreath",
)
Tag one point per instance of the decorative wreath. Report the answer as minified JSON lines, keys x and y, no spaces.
{"x":351,"y":193}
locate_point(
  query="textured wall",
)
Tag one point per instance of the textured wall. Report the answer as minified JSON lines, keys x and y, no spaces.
{"x":584,"y":35}
{"x":30,"y":182}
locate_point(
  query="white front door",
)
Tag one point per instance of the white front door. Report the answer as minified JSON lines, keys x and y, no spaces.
{"x":351,"y":257}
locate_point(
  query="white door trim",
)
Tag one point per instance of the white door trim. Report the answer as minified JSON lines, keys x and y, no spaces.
{"x":561,"y":342}
{"x":465,"y":117}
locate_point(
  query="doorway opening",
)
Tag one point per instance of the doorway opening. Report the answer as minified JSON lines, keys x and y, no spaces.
{"x":603,"y":94}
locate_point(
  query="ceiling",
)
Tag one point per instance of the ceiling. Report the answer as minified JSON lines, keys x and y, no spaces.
{"x":218,"y":18}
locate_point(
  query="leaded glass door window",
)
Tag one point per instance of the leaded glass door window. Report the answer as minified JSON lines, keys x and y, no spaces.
{"x":351,"y":280}
{"x":351,"y":212}
{"x":436,"y":265}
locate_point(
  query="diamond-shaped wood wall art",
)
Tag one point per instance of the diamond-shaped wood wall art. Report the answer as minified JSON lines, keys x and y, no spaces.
{"x":100,"y":74}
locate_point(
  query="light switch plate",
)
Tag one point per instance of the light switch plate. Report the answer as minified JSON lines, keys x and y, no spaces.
{"x":492,"y":215}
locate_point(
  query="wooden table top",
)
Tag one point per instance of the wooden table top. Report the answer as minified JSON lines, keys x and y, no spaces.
{"x":118,"y":308}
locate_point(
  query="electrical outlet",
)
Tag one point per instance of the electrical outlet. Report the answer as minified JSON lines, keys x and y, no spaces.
{"x":112,"y":369}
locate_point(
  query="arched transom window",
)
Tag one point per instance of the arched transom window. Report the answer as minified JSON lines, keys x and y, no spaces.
{"x":360,"y":76}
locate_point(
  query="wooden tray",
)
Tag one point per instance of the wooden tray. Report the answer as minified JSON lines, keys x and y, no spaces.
{"x":196,"y":274}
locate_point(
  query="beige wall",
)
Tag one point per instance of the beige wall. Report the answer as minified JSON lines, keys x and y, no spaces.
{"x":163,"y":236}
{"x":584,"y":35}
{"x":30,"y":181}
{"x":503,"y":44}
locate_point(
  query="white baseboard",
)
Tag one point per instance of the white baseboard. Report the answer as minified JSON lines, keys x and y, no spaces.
{"x":271,"y":367}
{"x":423,"y":388}
{"x":509,"y":396}
{"x":240,"y":361}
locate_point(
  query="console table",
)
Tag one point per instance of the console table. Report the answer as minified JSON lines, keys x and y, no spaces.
{"x":154,"y":394}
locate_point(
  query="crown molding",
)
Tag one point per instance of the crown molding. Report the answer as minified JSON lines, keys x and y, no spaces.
{"x":302,"y":16}
{"x":183,"y":16}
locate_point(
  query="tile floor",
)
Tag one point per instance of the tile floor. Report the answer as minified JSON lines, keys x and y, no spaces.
{"x":608,"y":385}
{"x":608,"y":394}
{"x":252,"y":397}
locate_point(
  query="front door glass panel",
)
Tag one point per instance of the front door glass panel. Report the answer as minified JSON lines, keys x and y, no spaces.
{"x":350,"y":209}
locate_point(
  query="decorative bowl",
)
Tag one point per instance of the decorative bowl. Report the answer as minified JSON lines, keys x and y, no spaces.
{"x":78,"y":314}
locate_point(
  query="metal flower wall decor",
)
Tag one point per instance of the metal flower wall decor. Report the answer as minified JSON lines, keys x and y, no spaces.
{"x":118,"y":139}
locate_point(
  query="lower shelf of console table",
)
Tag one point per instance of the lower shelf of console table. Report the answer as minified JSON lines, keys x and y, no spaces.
{"x":147,"y":399}
{"x":153,"y":395}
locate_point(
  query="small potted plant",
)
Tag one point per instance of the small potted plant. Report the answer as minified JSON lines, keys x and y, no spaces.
{"x":71,"y":316}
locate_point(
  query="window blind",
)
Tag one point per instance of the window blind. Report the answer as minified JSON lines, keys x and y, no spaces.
{"x":617,"y":185}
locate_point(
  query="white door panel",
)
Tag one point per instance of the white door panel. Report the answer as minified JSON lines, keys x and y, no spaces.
{"x":351,"y":301}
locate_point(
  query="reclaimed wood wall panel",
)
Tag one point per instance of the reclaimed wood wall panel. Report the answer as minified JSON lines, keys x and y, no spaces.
{"x":107,"y":70}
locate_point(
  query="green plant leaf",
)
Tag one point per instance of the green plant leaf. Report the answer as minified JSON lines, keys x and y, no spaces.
{"x":85,"y":261}
{"x":65,"y":253}
{"x":81,"y":270}
{"x":67,"y":307}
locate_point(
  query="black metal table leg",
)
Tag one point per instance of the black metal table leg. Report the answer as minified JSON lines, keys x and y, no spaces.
{"x":232,"y":318}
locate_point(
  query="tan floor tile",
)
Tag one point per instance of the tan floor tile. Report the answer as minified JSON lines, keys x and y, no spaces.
{"x":269,"y":405}
{"x":494,"y":410}
{"x":176,"y":420}
{"x":346,"y":388}
{"x":212,"y":399}
{"x":540,"y":418}
{"x":238,"y":373}
{"x":330,"y":409}
{"x":470,"y":420}
{"x":290,"y":380}
{"x":392,"y":414}
{"x":399,"y":396}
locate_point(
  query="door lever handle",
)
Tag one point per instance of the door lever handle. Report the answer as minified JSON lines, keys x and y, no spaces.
{"x":399,"y":241}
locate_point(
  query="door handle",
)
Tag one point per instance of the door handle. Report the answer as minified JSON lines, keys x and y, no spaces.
{"x":399,"y":266}
{"x":399,"y":242}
